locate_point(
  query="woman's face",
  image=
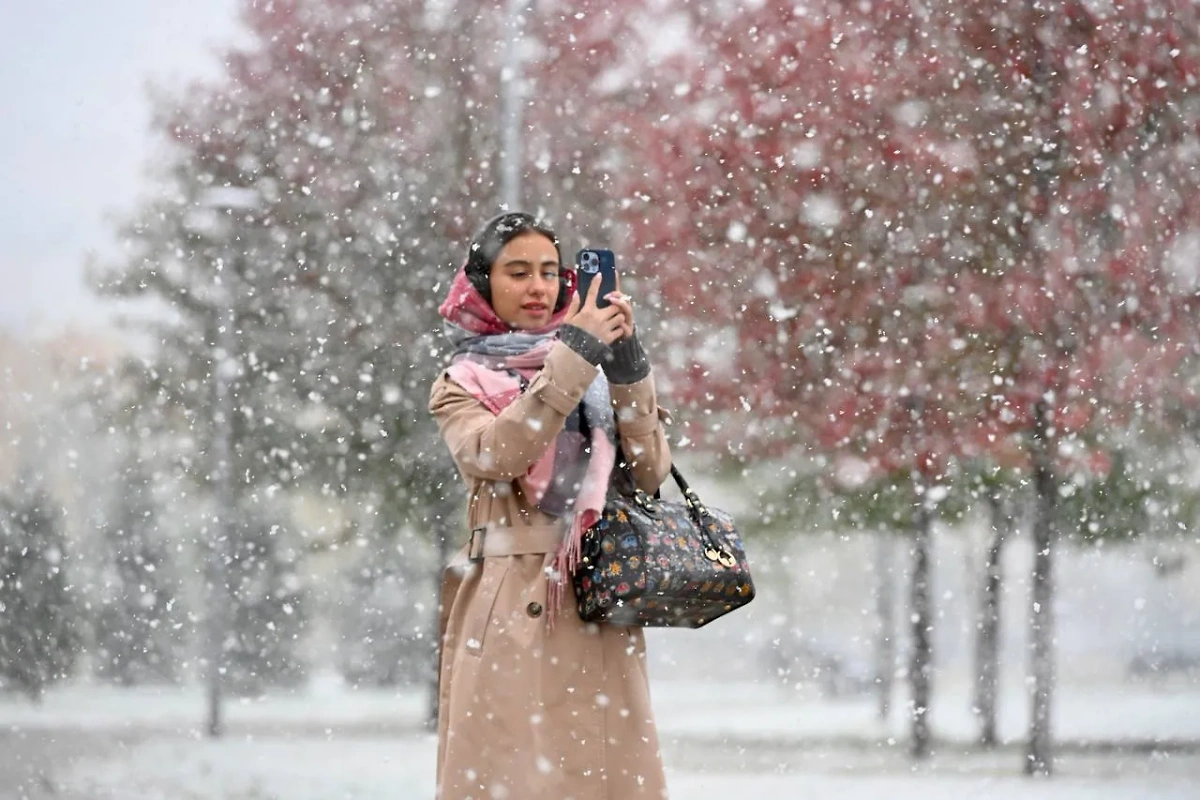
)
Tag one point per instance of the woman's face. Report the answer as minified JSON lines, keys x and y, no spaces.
{"x":524,"y":281}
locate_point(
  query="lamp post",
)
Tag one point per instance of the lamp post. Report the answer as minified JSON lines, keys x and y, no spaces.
{"x":222,"y":474}
{"x":211,"y":219}
{"x":510,"y":107}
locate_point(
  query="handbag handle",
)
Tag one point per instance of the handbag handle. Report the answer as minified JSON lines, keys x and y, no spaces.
{"x":696,"y":508}
{"x":689,"y":494}
{"x":690,"y":498}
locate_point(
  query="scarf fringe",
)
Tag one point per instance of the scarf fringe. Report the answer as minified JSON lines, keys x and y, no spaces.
{"x":566,"y":560}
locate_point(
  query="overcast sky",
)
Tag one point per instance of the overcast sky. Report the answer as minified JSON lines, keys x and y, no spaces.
{"x":75,"y":143}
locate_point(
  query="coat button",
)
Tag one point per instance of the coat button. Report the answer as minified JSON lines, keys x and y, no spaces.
{"x":534,"y":609}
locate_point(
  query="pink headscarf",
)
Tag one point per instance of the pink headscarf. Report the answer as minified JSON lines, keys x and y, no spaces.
{"x":465,"y":308}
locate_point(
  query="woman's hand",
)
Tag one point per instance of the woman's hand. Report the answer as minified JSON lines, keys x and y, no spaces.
{"x":606,"y":324}
{"x":625,"y":303}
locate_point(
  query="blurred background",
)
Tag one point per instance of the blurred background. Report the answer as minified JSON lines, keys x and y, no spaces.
{"x":920,"y":283}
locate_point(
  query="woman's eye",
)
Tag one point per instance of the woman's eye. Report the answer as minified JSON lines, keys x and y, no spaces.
{"x":550,"y":276}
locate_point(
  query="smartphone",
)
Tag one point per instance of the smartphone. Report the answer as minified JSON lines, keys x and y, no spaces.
{"x":591,"y":264}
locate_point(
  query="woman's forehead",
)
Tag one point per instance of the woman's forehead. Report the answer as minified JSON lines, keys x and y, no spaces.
{"x":528,"y":246}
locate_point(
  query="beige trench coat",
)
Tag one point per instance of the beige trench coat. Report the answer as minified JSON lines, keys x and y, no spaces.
{"x":526,"y":712}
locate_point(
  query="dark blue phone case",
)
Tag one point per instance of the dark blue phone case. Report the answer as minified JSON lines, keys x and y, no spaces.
{"x":591,"y":262}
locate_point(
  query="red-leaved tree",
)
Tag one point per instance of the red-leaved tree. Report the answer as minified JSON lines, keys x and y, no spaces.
{"x":918,"y":238}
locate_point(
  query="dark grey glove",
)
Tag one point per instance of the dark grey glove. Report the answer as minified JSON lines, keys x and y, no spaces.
{"x":628,"y":363}
{"x":592,"y":349}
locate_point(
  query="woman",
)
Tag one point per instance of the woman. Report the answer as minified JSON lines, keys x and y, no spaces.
{"x":548,"y":399}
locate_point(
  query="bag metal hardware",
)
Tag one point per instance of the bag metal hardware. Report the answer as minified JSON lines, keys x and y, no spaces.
{"x":646,"y":502}
{"x":720,"y":556}
{"x":475,"y":545}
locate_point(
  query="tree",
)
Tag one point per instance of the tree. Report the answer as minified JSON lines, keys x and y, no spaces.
{"x":332,"y":262}
{"x":797,"y":199}
{"x":999,"y":493}
{"x":382,"y":644}
{"x":591,"y":74}
{"x":39,"y":617}
{"x":269,"y":608}
{"x":349,"y":136}
{"x":1088,"y":309}
{"x":921,"y":245}
{"x":138,"y":620}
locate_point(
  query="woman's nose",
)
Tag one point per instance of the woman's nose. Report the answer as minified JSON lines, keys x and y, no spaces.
{"x":543,"y":285}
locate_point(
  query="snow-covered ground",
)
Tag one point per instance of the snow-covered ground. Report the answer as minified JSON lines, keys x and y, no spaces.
{"x":736,"y":712}
{"x":402,"y":769}
{"x":332,"y":743}
{"x":1132,"y":714}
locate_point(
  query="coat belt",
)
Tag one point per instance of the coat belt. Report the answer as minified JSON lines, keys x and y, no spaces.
{"x":493,"y":541}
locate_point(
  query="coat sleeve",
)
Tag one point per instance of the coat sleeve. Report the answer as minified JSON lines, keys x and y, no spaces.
{"x":502,"y":447}
{"x":640,"y":430}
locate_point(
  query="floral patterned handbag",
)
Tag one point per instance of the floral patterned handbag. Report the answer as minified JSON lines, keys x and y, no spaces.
{"x":654,"y":563}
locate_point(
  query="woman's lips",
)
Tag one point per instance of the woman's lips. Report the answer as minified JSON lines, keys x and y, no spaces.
{"x":535,"y":308}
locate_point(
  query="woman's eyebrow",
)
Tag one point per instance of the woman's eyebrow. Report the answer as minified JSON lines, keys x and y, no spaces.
{"x":524,"y":262}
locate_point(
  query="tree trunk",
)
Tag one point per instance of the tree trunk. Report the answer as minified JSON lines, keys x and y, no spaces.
{"x":921,"y":662}
{"x":1039,"y":758}
{"x":885,"y":643}
{"x":987,"y":626}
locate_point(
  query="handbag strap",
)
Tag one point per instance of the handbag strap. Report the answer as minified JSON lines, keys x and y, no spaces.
{"x":690,"y":498}
{"x":714,"y":550}
{"x":683,"y":485}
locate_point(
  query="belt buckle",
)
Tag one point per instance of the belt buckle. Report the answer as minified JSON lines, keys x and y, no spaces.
{"x":475,"y":545}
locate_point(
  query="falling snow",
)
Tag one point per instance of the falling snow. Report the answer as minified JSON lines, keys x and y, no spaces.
{"x":919,"y":283}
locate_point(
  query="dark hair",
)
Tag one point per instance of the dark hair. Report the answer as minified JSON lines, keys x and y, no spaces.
{"x":490,"y":240}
